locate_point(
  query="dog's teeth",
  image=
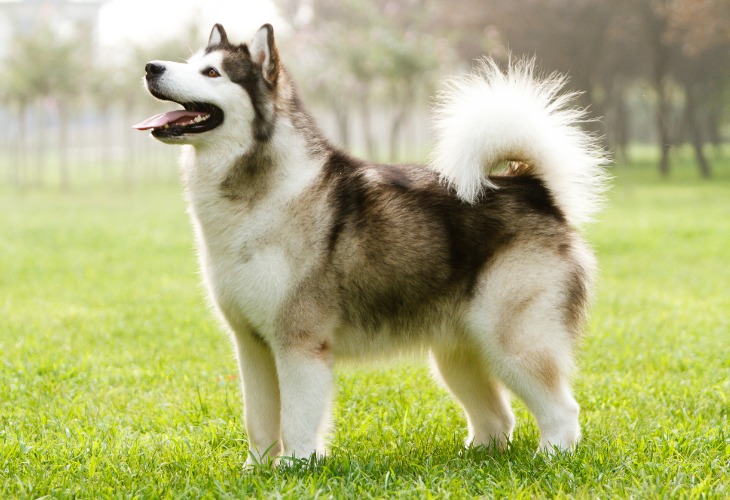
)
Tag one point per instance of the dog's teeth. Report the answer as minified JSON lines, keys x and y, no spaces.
{"x":166,"y":126}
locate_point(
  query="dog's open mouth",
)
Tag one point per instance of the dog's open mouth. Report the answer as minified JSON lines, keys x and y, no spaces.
{"x":195,"y":118}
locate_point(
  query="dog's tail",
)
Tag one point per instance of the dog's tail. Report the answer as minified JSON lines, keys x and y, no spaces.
{"x":490,"y":117}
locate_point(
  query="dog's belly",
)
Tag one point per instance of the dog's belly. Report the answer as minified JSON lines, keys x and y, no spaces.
{"x":358,"y":344}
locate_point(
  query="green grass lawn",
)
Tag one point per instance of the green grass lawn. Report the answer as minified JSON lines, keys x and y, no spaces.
{"x":115,"y":379}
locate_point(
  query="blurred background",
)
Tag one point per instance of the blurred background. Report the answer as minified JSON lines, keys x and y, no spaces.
{"x":656,"y":71}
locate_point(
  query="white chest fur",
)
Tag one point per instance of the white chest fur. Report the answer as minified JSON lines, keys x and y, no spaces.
{"x":245,"y":250}
{"x":246,"y":270}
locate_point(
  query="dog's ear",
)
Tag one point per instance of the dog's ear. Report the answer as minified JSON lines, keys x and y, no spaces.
{"x":264,"y":53}
{"x":217,"y":36}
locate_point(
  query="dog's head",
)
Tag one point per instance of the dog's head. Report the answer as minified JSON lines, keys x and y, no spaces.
{"x":223,"y":89}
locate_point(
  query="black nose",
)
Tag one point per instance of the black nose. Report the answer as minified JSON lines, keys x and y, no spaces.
{"x":154,"y":69}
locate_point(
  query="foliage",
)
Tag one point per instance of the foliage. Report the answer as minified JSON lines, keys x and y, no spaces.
{"x":45,"y":64}
{"x":362,"y":58}
{"x":357,"y":54}
{"x":117,"y":382}
{"x":608,"y":47}
{"x":698,"y":26}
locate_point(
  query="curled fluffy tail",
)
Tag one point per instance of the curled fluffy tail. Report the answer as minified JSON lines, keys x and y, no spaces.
{"x":488,"y":117}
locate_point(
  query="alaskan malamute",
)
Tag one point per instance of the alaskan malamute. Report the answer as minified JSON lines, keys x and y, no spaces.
{"x":312,"y":256}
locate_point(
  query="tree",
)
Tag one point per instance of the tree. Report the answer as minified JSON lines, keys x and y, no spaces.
{"x":45,"y":65}
{"x":701,"y":33}
{"x":15,"y":91}
{"x":608,"y":49}
{"x":678,"y":46}
{"x":377,"y":51}
{"x":698,"y":26}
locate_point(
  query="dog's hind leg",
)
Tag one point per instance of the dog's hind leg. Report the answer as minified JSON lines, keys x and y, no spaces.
{"x":531,"y":351}
{"x":527,"y":318}
{"x":537,"y":379}
{"x":484,"y":399}
{"x":260,"y":398}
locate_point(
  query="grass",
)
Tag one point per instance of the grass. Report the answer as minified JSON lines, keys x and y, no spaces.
{"x":115,"y":380}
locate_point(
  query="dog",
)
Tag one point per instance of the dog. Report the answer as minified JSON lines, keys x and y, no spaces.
{"x":311,"y":256}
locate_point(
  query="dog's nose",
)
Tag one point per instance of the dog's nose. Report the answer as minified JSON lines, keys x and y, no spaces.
{"x":154,"y":69}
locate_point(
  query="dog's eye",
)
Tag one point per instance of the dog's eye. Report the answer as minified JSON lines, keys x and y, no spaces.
{"x":211,"y":72}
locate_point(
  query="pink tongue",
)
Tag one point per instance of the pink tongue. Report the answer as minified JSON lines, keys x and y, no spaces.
{"x":168,"y":118}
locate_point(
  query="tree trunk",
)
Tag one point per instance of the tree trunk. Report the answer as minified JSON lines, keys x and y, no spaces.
{"x":107,"y":147}
{"x":366,"y":119}
{"x":342,"y":118}
{"x":63,"y":163}
{"x":694,"y":129}
{"x":617,"y":120}
{"x":40,"y":147}
{"x":714,"y":114}
{"x":403,"y":93}
{"x":622,"y":131}
{"x":21,"y":160}
{"x":129,"y":166}
{"x":655,"y":26}
{"x":395,"y":129}
{"x":662,"y":124}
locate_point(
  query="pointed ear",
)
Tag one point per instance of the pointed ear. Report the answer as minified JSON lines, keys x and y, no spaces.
{"x":263,"y":52}
{"x":217,"y":36}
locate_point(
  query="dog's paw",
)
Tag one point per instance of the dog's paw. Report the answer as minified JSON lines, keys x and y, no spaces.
{"x":254,"y":463}
{"x":299,"y":461}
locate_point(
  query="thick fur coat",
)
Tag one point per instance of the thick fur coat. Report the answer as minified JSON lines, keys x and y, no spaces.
{"x":312,"y":256}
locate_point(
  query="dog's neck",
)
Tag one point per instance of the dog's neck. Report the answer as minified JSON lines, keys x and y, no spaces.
{"x":288,"y":161}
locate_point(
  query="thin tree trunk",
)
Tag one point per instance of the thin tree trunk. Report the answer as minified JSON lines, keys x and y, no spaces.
{"x":342,"y":118}
{"x":129,"y":166}
{"x":662,"y":124}
{"x":21,"y":159}
{"x":40,"y":147}
{"x":106,"y":148}
{"x":366,"y":119}
{"x":395,"y":130}
{"x":622,"y":123}
{"x":616,"y":119}
{"x":63,"y":163}
{"x":655,"y":26}
{"x":714,"y":115}
{"x":694,"y":129}
{"x":403,"y":94}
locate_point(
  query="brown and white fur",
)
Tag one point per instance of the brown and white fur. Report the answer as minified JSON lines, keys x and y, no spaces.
{"x":312,"y":256}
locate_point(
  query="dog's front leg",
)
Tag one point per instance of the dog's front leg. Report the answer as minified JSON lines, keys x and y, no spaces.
{"x":305,"y":382}
{"x":260,"y":398}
